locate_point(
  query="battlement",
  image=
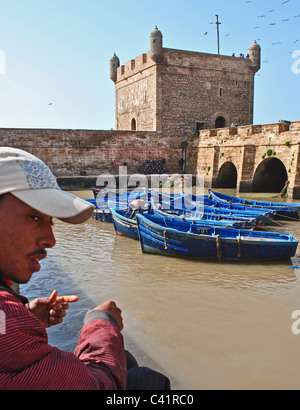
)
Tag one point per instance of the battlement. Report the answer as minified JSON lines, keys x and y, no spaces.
{"x":244,"y":132}
{"x":132,"y":67}
{"x":187,"y":59}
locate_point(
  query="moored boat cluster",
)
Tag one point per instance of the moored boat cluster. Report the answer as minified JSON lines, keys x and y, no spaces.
{"x":213,"y":227}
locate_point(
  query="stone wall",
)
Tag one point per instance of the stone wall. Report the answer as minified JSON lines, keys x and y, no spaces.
{"x":74,"y":153}
{"x":135,"y":94}
{"x":198,"y":87}
{"x":88,"y":152}
{"x":246,"y":147}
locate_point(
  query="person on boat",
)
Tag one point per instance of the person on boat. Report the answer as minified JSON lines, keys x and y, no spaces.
{"x":29,"y":199}
{"x":137,"y":205}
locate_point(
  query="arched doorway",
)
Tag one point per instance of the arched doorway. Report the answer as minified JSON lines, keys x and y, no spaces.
{"x":220,"y":122}
{"x":270,"y":176}
{"x":227,"y":177}
{"x":133,"y":124}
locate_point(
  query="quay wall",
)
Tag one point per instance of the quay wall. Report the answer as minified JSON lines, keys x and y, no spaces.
{"x":72,"y":153}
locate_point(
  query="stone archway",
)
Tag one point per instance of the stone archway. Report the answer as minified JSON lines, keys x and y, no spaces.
{"x":227,"y":177}
{"x":270,"y":176}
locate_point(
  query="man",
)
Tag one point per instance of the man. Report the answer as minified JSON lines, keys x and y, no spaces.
{"x":29,"y":199}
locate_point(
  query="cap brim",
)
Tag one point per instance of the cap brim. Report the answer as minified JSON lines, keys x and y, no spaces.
{"x":57,"y":203}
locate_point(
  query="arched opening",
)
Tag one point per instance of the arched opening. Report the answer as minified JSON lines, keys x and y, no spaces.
{"x":220,"y":122}
{"x":133,"y":124}
{"x":270,"y":176}
{"x":227,"y":177}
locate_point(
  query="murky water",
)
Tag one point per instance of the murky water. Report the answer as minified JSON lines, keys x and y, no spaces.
{"x":206,"y":325}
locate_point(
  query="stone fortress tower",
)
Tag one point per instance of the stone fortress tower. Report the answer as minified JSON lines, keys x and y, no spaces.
{"x":175,"y":91}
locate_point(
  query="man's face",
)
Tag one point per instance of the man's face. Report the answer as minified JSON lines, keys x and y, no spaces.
{"x":24,"y":236}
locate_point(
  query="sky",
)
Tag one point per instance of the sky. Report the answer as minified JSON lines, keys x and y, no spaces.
{"x":54,"y":55}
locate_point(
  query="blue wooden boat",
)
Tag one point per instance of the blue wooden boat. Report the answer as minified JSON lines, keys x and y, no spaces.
{"x":213,"y":219}
{"x":123,"y":224}
{"x":263,"y":216}
{"x":103,"y":215}
{"x":106,"y":199}
{"x":238,"y":209}
{"x":206,"y":242}
{"x":290,"y":210}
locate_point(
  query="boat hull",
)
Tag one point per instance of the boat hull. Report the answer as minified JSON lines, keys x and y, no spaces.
{"x":124,"y":226}
{"x":281,"y":210}
{"x":102,"y":215}
{"x":202,"y":243}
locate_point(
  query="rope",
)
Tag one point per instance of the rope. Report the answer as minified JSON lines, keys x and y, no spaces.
{"x":165,"y":239}
{"x":273,"y":221}
{"x":239,"y":253}
{"x":288,"y":217}
{"x":219,"y":251}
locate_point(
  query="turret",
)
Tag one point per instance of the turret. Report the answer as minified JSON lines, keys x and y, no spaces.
{"x":156,"y":45}
{"x":254,"y":55}
{"x":114,"y":64}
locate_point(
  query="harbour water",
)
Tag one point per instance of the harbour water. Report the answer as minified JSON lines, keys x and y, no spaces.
{"x":206,"y":325}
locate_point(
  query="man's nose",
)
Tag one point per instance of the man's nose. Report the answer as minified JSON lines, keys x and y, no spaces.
{"x":47,"y":238}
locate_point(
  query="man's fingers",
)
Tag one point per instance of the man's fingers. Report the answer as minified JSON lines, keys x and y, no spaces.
{"x":67,"y":299}
{"x":55,"y":320}
{"x":57,"y":313}
{"x":52,"y":297}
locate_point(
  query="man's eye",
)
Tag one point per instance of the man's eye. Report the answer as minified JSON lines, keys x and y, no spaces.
{"x":35,"y":218}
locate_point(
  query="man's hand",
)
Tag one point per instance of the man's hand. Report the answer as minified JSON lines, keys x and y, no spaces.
{"x":51,"y":310}
{"x":113,"y":309}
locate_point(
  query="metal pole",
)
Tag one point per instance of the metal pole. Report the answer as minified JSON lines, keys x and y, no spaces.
{"x":218,"y":36}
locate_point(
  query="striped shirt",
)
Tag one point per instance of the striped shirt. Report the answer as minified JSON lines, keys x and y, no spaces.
{"x":28,"y":362}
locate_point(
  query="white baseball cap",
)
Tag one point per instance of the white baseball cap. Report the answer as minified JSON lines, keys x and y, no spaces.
{"x":31,"y":180}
